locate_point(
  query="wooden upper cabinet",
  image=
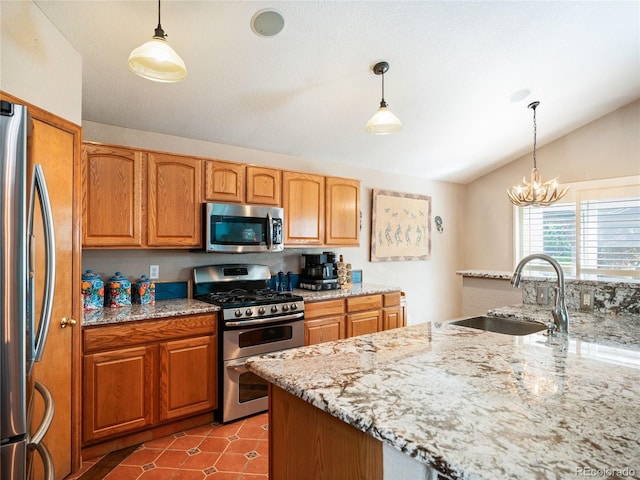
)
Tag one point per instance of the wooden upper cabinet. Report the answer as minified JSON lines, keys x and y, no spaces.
{"x":112,"y":192}
{"x":264,"y":186}
{"x":343,"y":211}
{"x":224,"y":181}
{"x":303,"y":201}
{"x":174,"y":201}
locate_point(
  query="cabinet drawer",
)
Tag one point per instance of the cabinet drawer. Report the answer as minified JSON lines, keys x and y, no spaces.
{"x":391,"y":299}
{"x":323,"y":309}
{"x":366,"y":302}
{"x":146,"y":331}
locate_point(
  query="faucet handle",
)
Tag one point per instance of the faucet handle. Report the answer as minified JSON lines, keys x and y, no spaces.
{"x":551,"y":328}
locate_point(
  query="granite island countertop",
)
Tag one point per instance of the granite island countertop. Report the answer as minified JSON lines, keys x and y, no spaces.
{"x":481,"y":405}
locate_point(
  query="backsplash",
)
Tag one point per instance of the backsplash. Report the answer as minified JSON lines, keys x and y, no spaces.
{"x":609,"y":298}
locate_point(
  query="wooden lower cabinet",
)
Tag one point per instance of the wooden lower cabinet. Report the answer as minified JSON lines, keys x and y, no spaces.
{"x":187,"y":377}
{"x":329,"y":320}
{"x":118,"y":392}
{"x":308,"y":443}
{"x":324,"y":321}
{"x":143,"y":374}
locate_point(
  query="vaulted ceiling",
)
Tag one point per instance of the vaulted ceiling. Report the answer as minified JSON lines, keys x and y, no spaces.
{"x":457,"y":69}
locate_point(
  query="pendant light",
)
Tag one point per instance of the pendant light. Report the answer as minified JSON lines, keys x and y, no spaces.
{"x":156,"y":60}
{"x":536,"y":192}
{"x":383,"y":121}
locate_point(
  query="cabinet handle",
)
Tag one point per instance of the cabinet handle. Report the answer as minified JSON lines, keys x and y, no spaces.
{"x":67,"y":322}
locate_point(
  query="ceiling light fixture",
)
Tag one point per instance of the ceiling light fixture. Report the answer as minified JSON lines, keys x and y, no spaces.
{"x":536,"y":192}
{"x":383,"y":121}
{"x":156,"y":60}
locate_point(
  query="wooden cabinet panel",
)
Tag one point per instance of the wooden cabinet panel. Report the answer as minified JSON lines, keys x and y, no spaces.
{"x":323,"y":308}
{"x":342,"y":211}
{"x":112,"y":192}
{"x":364,"y":302}
{"x":326,"y":329}
{"x":308,"y":443}
{"x":303,"y":201}
{"x":174,"y":201}
{"x":391,"y":299}
{"x":391,"y":318}
{"x":118,"y":392}
{"x":364,"y":322}
{"x":224,"y":181}
{"x":264,"y":186}
{"x":187,"y":377}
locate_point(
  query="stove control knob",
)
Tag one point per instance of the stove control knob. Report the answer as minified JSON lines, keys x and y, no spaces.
{"x":294,"y":306}
{"x":285,"y":307}
{"x":238,"y":313}
{"x":249,"y":312}
{"x":261,"y":311}
{"x":274,"y":309}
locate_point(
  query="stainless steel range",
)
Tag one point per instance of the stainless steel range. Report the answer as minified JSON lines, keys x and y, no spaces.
{"x":254,"y":320}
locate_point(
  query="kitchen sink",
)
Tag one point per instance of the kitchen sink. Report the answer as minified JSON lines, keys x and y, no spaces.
{"x":501,"y":325}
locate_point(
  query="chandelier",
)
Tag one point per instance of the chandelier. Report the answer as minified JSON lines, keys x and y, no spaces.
{"x":536,"y":192}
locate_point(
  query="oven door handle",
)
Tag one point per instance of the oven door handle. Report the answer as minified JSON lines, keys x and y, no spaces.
{"x":266,"y":321}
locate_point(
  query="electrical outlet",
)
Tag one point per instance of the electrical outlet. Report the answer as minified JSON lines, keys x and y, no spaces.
{"x":154,"y":272}
{"x":586,"y":300}
{"x":542,"y":295}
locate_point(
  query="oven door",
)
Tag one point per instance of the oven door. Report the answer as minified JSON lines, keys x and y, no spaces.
{"x":244,"y":393}
{"x":264,"y":336}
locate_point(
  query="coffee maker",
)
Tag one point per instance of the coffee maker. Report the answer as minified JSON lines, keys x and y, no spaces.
{"x":319,"y":272}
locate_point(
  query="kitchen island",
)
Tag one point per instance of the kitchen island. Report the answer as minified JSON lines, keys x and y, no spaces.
{"x":462,"y":402}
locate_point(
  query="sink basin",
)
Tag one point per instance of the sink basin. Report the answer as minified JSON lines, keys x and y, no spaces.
{"x":501,"y":325}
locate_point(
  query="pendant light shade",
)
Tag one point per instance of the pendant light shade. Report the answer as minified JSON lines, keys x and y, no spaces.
{"x":383,"y":122}
{"x":536,"y":192}
{"x":156,"y":60}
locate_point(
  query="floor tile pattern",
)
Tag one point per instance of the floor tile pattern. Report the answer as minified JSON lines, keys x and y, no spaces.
{"x":235,"y":451}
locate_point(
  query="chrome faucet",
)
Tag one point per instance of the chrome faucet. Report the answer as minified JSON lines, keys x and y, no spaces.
{"x":559,"y":312}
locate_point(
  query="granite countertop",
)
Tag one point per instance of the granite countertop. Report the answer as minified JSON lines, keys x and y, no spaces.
{"x":481,"y":405}
{"x":161,"y":309}
{"x":355,"y":290}
{"x":486,"y":274}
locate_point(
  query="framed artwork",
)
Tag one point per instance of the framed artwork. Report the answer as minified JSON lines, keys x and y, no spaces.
{"x":400,"y":227}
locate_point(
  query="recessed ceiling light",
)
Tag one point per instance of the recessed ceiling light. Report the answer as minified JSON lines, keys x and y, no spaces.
{"x":520,"y":95}
{"x":267,"y":22}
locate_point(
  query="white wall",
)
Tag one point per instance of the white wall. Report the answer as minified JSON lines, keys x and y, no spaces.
{"x":434,"y":291}
{"x":606,"y":148}
{"x":37,"y":64}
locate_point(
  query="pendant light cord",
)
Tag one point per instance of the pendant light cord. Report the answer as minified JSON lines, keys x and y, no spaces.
{"x":159,"y":31}
{"x":382,"y":102}
{"x":535,"y":130}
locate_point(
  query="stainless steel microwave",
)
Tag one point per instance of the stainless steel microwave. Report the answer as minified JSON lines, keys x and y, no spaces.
{"x":232,"y":228}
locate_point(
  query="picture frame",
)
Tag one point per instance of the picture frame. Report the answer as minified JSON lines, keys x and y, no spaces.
{"x":400,"y":226}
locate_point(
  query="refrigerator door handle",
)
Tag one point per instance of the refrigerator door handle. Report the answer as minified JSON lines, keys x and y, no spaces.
{"x":47,"y":416}
{"x":37,"y":340}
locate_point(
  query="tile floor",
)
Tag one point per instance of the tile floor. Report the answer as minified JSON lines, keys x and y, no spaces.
{"x":235,"y":451}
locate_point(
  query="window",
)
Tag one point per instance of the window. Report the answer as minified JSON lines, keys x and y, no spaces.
{"x":593,"y":232}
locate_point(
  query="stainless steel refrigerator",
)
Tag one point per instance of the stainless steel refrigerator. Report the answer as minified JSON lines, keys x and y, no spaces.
{"x":23,"y":336}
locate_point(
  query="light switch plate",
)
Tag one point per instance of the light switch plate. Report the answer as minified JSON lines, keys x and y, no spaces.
{"x":542,"y":295}
{"x":154,"y":272}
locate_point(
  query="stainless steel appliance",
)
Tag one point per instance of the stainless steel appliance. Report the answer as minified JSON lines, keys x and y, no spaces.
{"x":254,"y":320}
{"x":232,"y":228}
{"x":319,"y":272}
{"x":22,"y":338}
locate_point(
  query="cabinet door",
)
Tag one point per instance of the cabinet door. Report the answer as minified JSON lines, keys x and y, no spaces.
{"x":224,"y":181}
{"x":363,"y":322}
{"x":303,"y":208}
{"x":325,"y":329}
{"x":343,"y":211}
{"x":174,"y":194}
{"x":187,"y":377}
{"x":118,"y":392}
{"x":391,"y":318}
{"x":111,"y":194}
{"x":264,"y":186}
